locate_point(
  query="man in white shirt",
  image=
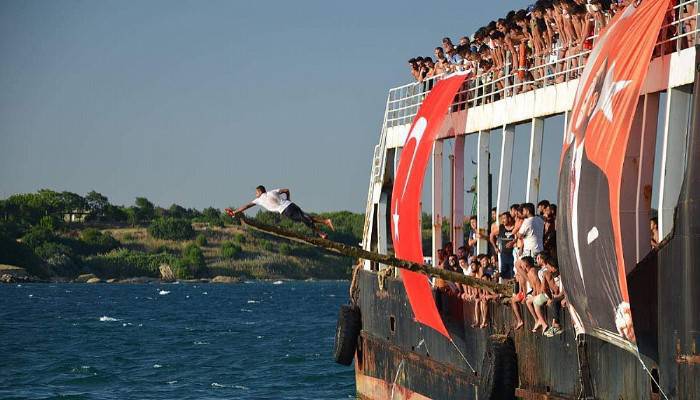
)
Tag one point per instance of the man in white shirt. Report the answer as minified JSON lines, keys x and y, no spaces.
{"x":274,"y":202}
{"x":531,"y":231}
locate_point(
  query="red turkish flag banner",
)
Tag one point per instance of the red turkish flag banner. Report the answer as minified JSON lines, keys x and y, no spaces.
{"x":406,"y":195}
{"x":590,"y":232}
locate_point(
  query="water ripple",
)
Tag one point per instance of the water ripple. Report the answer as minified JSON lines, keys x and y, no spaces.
{"x":117,"y":341}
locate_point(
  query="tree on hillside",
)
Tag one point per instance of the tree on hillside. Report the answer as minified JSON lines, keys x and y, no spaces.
{"x":70,"y":202}
{"x":96,"y":204}
{"x":115,"y":214}
{"x":177,"y":211}
{"x":213,"y":216}
{"x":145,"y":210}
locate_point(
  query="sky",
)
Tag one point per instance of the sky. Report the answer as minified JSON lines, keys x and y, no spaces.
{"x":196,"y":103}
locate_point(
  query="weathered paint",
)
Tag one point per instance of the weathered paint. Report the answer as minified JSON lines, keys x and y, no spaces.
{"x":431,"y":366}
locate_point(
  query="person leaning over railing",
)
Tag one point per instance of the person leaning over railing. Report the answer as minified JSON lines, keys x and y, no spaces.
{"x":546,"y":43}
{"x":687,"y":14}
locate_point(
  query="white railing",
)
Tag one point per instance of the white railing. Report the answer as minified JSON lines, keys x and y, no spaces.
{"x":679,"y":31}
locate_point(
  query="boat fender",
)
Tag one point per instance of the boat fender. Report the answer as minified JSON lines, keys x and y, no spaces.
{"x":346,"y":332}
{"x":499,"y":371}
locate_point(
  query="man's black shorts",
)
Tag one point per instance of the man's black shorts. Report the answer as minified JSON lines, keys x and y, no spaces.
{"x":294,"y":213}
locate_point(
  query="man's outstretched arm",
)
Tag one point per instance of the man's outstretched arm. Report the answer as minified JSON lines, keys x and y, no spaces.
{"x":239,"y":209}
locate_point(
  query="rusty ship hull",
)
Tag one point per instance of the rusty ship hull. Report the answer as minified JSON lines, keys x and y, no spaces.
{"x":398,"y":358}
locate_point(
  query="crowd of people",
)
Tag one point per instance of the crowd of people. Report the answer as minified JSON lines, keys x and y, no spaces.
{"x":521,"y":249}
{"x":545,"y":43}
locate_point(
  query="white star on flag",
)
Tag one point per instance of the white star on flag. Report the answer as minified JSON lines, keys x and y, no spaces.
{"x":609,"y":89}
{"x":396,"y":223}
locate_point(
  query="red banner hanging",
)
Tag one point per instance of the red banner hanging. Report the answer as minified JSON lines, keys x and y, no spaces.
{"x":589,"y":242}
{"x":405,"y":203}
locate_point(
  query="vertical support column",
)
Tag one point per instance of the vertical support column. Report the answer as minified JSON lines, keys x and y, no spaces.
{"x":482,"y":190}
{"x":646,"y":173}
{"x":673,"y":160}
{"x":397,"y":156}
{"x":458,"y":193}
{"x":504,"y":170}
{"x":534,"y":161}
{"x":637,"y":176}
{"x":382,"y":235}
{"x":436,"y":191}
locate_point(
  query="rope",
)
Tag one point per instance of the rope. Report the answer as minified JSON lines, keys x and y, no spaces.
{"x":465,"y":358}
{"x":354,"y":284}
{"x":639,"y":357}
{"x":382,"y":275}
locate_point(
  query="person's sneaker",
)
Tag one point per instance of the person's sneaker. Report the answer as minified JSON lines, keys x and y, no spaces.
{"x":553,"y":331}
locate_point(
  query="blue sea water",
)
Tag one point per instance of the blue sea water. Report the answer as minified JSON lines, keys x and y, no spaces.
{"x":256,"y":340}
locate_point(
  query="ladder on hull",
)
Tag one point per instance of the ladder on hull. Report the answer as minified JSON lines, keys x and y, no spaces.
{"x":376,"y":181}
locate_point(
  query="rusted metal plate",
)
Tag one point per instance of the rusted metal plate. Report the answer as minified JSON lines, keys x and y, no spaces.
{"x":547,"y":366}
{"x":528,"y":395}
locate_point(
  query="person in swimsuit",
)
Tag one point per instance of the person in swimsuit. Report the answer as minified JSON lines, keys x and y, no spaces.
{"x":274,"y":202}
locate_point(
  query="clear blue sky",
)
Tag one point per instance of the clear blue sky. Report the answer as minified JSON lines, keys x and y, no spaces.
{"x":196,"y":103}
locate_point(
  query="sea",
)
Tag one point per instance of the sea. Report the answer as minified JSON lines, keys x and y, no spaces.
{"x":253,"y":340}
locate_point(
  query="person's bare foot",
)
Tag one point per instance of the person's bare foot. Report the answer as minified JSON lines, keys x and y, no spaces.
{"x":537,"y":326}
{"x":519,"y":325}
{"x":329,"y":224}
{"x":483,"y":325}
{"x":475,"y":324}
{"x":323,"y":235}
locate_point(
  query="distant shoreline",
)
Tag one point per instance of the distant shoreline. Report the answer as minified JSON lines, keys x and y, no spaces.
{"x":148,"y":281}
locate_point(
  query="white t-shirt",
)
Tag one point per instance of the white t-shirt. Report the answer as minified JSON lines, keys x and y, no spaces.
{"x":272,"y":201}
{"x":532,"y":231}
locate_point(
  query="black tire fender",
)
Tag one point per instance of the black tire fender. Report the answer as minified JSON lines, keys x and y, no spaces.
{"x":346,"y":332}
{"x":499,"y":371}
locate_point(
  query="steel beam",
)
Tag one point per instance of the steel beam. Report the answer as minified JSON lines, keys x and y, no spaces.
{"x":436,"y":208}
{"x":457,"y":219}
{"x":482,"y":188}
{"x":382,"y":234}
{"x":505,"y":168}
{"x":637,"y":174}
{"x":674,"y":153}
{"x":646,"y":174}
{"x":534,"y":161}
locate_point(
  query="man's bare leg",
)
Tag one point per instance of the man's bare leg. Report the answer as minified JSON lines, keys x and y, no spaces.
{"x":484,"y":313}
{"x":323,"y":221}
{"x":477,"y":309}
{"x":516,"y":311}
{"x":540,"y":318}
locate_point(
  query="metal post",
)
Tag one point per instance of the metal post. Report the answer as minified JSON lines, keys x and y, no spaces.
{"x":458,"y":193}
{"x":646,"y":173}
{"x":673,"y":158}
{"x":534,"y":161}
{"x":437,"y":199}
{"x":382,"y":242}
{"x":504,"y":169}
{"x":482,"y":188}
{"x":635,"y":216}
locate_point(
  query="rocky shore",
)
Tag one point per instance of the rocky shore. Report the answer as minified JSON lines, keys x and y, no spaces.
{"x":13,"y":274}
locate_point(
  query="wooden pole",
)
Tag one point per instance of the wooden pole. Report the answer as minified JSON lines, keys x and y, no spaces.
{"x":356,"y":252}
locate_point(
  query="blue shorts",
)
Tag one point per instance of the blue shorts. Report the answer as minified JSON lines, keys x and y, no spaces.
{"x":506,"y":271}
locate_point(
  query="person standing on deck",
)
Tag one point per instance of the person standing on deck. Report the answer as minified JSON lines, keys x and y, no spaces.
{"x":274,"y":202}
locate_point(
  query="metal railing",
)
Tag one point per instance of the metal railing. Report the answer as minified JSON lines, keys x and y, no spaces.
{"x":679,"y":31}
